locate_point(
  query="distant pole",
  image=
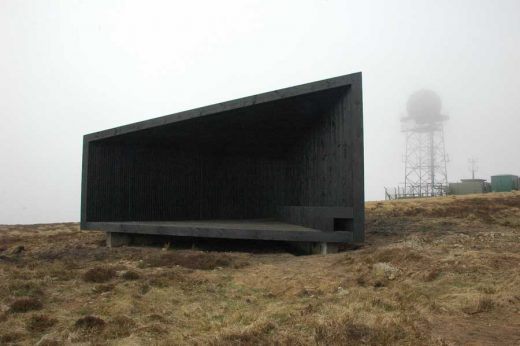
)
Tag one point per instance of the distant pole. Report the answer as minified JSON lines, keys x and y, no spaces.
{"x":473,"y":167}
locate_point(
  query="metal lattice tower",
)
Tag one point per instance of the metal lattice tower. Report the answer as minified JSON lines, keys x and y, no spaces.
{"x":425,"y":155}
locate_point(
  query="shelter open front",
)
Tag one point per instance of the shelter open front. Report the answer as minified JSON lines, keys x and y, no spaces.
{"x":270,"y":164}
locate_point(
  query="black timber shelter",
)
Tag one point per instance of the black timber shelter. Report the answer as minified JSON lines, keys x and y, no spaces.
{"x":284,"y":165}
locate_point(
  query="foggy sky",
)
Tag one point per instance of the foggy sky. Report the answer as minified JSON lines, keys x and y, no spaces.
{"x":68,"y":68}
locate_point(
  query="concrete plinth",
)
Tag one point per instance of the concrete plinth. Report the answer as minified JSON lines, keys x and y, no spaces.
{"x":117,"y":239}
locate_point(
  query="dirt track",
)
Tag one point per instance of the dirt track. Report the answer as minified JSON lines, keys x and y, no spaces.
{"x":442,"y":271}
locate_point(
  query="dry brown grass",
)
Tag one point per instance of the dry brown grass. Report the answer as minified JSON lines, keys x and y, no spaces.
{"x":482,"y":304}
{"x":120,"y":327}
{"x":260,"y":334}
{"x":352,"y":334}
{"x":131,"y":275}
{"x":196,"y":260}
{"x":7,"y":337}
{"x":99,"y":274}
{"x":40,"y":323}
{"x":23,"y":288}
{"x":90,"y":323}
{"x":25,"y":304}
{"x":432,"y":272}
{"x":103,"y":288}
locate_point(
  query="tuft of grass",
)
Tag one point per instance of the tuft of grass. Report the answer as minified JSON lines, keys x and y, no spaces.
{"x":155,"y":281}
{"x":383,"y":304}
{"x":155,"y":329}
{"x":40,"y":323}
{"x":99,"y":274}
{"x":257,"y":334}
{"x":483,"y":304}
{"x":103,"y":288}
{"x":119,"y":327}
{"x":397,"y":255}
{"x":130,"y":275}
{"x":25,"y":289}
{"x":380,"y":283}
{"x":361,"y":280}
{"x":487,"y":289}
{"x":25,"y":304}
{"x":143,"y":288}
{"x":90,"y":323}
{"x":49,"y":342}
{"x":10,"y":337}
{"x":349,"y":333}
{"x":431,"y":275}
{"x":197,"y":260}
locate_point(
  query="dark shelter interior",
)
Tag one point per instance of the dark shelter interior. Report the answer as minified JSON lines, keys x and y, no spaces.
{"x":240,"y":164}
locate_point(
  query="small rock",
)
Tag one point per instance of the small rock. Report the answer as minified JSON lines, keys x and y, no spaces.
{"x":3,"y":308}
{"x":342,"y":291}
{"x":166,"y":246}
{"x":384,"y":269}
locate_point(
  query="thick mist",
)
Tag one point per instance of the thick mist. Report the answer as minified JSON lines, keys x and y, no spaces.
{"x":72,"y":67}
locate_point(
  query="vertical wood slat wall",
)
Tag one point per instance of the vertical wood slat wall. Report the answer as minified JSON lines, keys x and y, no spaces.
{"x":239,"y":164}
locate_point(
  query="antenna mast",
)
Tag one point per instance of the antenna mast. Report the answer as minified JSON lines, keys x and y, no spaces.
{"x":425,"y":155}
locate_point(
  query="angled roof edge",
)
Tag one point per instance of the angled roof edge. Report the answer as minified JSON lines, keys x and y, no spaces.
{"x":247,"y":101}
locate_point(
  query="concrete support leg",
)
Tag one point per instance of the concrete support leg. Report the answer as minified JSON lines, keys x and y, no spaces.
{"x":316,"y":248}
{"x":117,"y":239}
{"x":323,"y":247}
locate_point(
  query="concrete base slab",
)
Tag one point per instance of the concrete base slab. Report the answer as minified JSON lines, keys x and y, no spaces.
{"x":250,"y":229}
{"x":115,"y":239}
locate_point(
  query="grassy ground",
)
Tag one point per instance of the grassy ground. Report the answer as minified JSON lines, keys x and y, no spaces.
{"x":440,"y":271}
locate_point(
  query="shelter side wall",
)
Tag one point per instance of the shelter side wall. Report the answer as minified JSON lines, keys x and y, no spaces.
{"x":328,"y":169}
{"x":323,"y":160}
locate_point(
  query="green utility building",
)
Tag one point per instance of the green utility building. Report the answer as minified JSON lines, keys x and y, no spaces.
{"x":504,"y":183}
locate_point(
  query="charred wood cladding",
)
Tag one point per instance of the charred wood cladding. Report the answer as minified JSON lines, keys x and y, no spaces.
{"x":283,"y":165}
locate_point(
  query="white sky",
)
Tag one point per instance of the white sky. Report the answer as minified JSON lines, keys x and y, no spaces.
{"x":72,"y":67}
